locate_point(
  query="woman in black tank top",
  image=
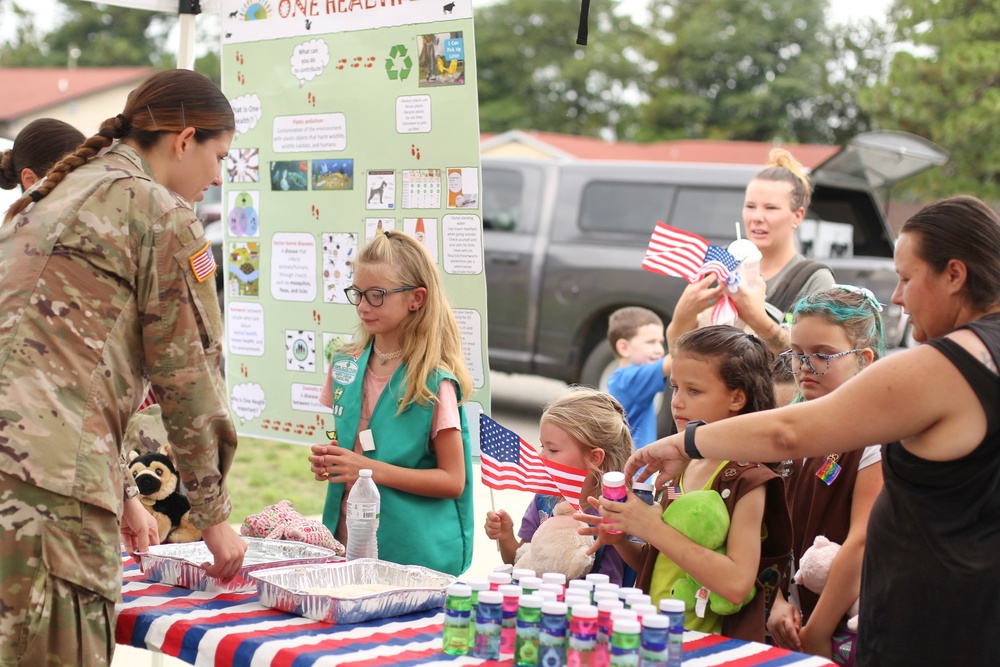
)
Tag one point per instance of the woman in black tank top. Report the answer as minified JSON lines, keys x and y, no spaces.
{"x":931,"y":576}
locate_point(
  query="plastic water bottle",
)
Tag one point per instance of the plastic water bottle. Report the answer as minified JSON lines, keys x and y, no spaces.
{"x":455,"y":639}
{"x":363,"y":507}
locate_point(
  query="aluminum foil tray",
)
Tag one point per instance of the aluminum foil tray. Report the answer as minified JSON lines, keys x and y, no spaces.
{"x":413,"y":588}
{"x":180,"y":564}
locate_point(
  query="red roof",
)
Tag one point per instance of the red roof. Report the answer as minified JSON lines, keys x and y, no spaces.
{"x":684,"y":150}
{"x":33,"y":89}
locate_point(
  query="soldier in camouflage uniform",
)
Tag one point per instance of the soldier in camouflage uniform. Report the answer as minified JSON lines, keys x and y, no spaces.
{"x":102,"y":284}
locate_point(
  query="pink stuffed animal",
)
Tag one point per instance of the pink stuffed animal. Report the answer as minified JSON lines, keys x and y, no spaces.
{"x":814,"y":568}
{"x":282,"y":522}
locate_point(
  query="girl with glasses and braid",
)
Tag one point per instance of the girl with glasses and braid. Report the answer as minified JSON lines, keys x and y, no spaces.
{"x":836,"y":333}
{"x":397,"y":395}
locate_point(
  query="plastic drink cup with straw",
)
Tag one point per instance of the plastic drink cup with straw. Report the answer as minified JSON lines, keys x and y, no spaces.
{"x":748,"y":255}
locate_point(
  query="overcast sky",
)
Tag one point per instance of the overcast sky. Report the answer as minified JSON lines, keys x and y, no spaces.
{"x":841,"y":11}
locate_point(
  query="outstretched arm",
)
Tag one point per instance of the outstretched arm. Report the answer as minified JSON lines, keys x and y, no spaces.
{"x":893,"y":400}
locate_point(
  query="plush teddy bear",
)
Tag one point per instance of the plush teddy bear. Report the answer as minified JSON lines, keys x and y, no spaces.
{"x":557,"y":546}
{"x":160,"y":492}
{"x":281,"y":521}
{"x":702,"y":517}
{"x":814,"y":569}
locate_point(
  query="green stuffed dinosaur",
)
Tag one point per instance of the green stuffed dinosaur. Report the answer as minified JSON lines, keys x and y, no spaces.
{"x":702,"y":517}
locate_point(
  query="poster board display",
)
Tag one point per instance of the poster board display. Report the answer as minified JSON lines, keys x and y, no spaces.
{"x":352,"y":117}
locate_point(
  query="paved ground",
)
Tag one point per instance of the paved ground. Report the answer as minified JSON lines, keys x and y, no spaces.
{"x":517,"y":403}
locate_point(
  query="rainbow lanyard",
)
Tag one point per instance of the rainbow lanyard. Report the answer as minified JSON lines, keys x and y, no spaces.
{"x":829,"y":470}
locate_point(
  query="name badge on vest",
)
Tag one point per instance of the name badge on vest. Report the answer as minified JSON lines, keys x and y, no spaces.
{"x":367,"y":440}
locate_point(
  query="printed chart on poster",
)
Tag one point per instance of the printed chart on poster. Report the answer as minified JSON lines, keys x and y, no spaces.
{"x":353,"y":117}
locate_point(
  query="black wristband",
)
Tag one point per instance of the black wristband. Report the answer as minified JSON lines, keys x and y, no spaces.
{"x":689,"y":447}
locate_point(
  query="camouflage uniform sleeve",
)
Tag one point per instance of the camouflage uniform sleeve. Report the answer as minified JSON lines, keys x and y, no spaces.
{"x":131,"y":490}
{"x":181,"y":329}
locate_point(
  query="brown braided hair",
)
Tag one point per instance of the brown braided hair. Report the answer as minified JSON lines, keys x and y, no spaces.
{"x":164,"y":103}
{"x":37,"y":147}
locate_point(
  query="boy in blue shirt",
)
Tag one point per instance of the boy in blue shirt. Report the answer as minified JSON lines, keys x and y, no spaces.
{"x":636,"y":337}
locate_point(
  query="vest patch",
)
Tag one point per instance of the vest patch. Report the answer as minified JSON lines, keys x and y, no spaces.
{"x":345,"y":371}
{"x":338,"y":393}
{"x":338,"y":411}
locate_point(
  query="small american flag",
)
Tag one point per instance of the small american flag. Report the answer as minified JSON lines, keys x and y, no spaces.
{"x":203,"y":263}
{"x":508,"y":462}
{"x":675,"y":252}
{"x":149,"y":400}
{"x":673,"y":492}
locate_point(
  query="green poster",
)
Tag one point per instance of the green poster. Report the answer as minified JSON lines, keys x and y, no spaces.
{"x":352,"y":117}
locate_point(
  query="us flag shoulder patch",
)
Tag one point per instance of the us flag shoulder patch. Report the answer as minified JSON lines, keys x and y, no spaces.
{"x":203,"y":263}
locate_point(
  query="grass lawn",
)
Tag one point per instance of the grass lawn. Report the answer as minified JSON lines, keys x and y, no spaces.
{"x":265,"y":472}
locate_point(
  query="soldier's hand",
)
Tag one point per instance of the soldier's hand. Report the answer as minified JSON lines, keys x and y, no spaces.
{"x":227,"y":547}
{"x":138,"y":528}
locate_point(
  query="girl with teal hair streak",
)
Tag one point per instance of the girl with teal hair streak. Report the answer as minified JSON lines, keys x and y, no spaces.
{"x":836,"y":333}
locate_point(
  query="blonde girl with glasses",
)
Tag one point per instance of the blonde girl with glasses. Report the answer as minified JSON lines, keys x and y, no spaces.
{"x":835,"y":334}
{"x":397,"y":395}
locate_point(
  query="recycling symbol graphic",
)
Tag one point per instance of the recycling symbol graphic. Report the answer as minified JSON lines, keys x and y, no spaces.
{"x":398,"y":64}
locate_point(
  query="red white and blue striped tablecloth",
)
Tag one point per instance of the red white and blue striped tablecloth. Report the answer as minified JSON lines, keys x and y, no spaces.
{"x":224,"y":629}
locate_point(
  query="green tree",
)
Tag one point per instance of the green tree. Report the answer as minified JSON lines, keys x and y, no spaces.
{"x":860,"y":56}
{"x":736,"y":69}
{"x":944,"y":84}
{"x":103,"y":36}
{"x":532,"y":74}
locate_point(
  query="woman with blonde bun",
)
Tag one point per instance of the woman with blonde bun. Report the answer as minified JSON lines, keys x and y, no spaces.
{"x":775,"y":204}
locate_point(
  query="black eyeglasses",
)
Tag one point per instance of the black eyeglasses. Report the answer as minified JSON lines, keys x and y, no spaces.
{"x":375,"y":296}
{"x":794,"y":361}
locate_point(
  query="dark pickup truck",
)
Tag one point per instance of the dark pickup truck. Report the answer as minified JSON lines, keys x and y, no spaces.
{"x":564,"y":241}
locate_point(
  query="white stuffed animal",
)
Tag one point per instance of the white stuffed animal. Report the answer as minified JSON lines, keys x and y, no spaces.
{"x":814,"y":568}
{"x":557,"y":546}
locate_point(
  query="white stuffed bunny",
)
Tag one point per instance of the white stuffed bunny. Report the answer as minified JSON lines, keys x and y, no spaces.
{"x":814,"y":568}
{"x":557,"y":546}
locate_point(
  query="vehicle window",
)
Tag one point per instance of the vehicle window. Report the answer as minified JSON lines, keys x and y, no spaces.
{"x":709,"y":211}
{"x":625,"y":207}
{"x":502,"y":196}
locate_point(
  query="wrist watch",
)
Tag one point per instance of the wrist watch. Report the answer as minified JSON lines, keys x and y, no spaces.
{"x":689,"y":447}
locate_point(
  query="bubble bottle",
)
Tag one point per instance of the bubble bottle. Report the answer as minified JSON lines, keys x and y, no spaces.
{"x":498,"y":579}
{"x":674,"y":611}
{"x":604,"y":609}
{"x":552,"y":635}
{"x":653,"y":641}
{"x":529,"y":616}
{"x":613,"y":488}
{"x":488,"y":615}
{"x":457,"y":611}
{"x":582,"y":636}
{"x":508,"y":624}
{"x":625,"y":644}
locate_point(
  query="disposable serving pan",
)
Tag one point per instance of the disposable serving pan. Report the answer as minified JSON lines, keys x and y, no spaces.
{"x":181,"y":564}
{"x":411,"y":588}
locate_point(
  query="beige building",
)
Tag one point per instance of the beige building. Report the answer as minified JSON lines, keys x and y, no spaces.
{"x":81,"y":96}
